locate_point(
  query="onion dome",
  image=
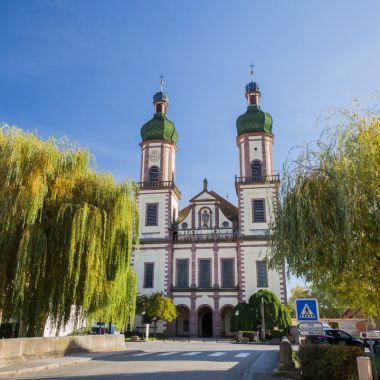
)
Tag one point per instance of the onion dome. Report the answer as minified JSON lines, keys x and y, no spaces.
{"x":159,"y":127}
{"x":254,"y":119}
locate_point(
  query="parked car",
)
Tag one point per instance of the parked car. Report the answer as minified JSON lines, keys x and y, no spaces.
{"x":334,"y":336}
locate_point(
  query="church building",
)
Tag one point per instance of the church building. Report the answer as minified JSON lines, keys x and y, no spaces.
{"x":211,"y":254}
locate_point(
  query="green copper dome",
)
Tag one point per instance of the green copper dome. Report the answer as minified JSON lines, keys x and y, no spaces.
{"x":254,"y":120}
{"x":159,"y":128}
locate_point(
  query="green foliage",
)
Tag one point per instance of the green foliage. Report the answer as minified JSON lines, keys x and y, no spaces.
{"x":321,"y":362}
{"x":327,"y":221}
{"x":329,"y":305}
{"x":275,"y":313}
{"x":156,"y":306}
{"x":66,"y":235}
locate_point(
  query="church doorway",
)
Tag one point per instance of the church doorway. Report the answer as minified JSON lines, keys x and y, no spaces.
{"x":205,"y":322}
{"x":226,"y":316}
{"x":183,"y":321}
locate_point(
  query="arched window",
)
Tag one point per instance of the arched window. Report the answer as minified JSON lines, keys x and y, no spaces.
{"x":153,"y":174}
{"x":256,"y":168}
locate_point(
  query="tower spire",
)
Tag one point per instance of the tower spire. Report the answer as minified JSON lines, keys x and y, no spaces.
{"x":251,"y":66}
{"x":161,"y":82}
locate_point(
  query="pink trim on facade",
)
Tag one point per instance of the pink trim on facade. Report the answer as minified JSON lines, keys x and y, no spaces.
{"x":216,"y":215}
{"x":216,"y":316}
{"x":146,"y":164}
{"x":216,"y":266}
{"x":193,"y":315}
{"x":263,"y":147}
{"x":193,"y":265}
{"x":162,"y":162}
{"x":246,"y":157}
{"x":239,"y":271}
{"x":169,"y":270}
{"x":193,"y":216}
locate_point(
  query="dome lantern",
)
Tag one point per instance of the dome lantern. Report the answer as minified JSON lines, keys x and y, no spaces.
{"x":160,"y":127}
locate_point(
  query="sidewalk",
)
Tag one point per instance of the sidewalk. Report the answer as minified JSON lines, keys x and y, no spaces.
{"x":31,"y":366}
{"x":263,"y":366}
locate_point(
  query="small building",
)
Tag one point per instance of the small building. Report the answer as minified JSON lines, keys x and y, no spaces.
{"x":211,"y":254}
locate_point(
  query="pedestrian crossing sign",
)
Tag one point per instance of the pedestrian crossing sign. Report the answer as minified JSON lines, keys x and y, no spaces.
{"x":307,"y":310}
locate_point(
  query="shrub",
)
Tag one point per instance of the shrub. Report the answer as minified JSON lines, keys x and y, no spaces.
{"x":333,"y":362}
{"x":248,"y":334}
{"x":278,"y":334}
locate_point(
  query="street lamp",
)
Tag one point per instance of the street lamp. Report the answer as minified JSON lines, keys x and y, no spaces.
{"x":142,"y":322}
{"x":154,"y":319}
{"x":262,"y":319}
{"x":237,"y":325}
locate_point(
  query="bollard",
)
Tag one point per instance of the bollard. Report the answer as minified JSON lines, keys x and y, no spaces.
{"x":286,"y":360}
{"x":364,"y":368}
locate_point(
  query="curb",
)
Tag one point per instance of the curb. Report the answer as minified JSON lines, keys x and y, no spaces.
{"x":249,"y":372}
{"x":21,"y":371}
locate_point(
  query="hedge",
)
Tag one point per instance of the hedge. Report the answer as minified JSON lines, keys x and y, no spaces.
{"x":332,"y":362}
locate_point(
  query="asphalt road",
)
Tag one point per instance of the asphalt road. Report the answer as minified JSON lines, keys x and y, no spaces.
{"x":171,"y":361}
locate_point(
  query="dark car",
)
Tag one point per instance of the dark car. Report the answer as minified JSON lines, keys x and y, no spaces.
{"x":333,"y":336}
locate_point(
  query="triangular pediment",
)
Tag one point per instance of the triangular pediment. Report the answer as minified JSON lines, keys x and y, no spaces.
{"x":204,"y":196}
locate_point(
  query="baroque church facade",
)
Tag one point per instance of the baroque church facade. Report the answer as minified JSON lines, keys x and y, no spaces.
{"x":210,"y":255}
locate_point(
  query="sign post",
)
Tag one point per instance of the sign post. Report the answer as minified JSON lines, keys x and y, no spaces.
{"x":308,"y":315}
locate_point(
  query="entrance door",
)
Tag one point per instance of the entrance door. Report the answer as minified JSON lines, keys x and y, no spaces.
{"x":205,"y":322}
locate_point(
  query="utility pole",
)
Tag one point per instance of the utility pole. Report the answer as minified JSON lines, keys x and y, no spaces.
{"x":262,"y":319}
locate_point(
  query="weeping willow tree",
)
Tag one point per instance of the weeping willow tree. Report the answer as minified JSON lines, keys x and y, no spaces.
{"x":327,"y":222}
{"x":66,"y":235}
{"x":249,"y":317}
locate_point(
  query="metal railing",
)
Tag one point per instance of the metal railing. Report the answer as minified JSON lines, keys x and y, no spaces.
{"x":158,"y":185}
{"x":193,"y":235}
{"x":258,"y":179}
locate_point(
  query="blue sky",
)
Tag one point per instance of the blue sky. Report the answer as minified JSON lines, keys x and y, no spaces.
{"x":87,"y":69}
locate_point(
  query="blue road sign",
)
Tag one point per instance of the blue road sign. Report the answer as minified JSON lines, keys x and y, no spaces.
{"x":307,"y":310}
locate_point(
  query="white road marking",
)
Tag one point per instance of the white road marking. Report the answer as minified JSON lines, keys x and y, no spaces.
{"x":217,"y":354}
{"x":168,"y":353}
{"x":142,"y":354}
{"x":192,"y":353}
{"x":242,"y":355}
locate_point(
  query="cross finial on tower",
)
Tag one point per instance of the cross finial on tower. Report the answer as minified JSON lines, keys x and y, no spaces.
{"x":251,"y":71}
{"x":161,"y":82}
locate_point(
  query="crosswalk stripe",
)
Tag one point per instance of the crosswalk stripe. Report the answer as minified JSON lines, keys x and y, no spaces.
{"x":242,"y":355}
{"x":192,"y":353}
{"x":217,"y":354}
{"x":142,"y":354}
{"x":168,"y":353}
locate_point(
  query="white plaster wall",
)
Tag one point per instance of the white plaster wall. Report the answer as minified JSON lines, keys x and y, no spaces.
{"x":249,"y":257}
{"x":156,"y":256}
{"x":175,"y":206}
{"x":205,"y":299}
{"x":262,"y":192}
{"x":242,"y":150}
{"x":269,"y":163}
{"x":255,"y":142}
{"x":182,"y":301}
{"x":222,"y":219}
{"x":157,"y":149}
{"x":150,"y":197}
{"x":232,"y":300}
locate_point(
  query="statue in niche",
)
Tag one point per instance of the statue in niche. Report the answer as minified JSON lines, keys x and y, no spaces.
{"x":205,"y":219}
